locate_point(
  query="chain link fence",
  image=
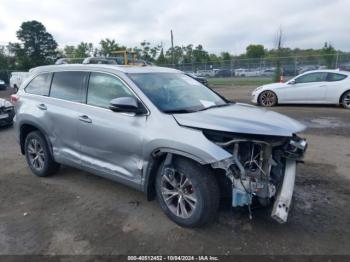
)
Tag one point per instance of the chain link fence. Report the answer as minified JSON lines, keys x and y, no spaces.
{"x":288,"y":66}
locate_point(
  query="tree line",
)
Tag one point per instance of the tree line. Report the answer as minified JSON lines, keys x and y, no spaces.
{"x":38,"y":47}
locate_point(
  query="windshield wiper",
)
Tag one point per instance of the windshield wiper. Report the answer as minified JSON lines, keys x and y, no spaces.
{"x":215,"y":106}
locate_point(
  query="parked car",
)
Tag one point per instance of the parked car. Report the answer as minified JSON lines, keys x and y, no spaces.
{"x":268,"y":72}
{"x":2,"y":85}
{"x":247,"y":72}
{"x":161,"y":132}
{"x":17,"y":78}
{"x":201,"y":80}
{"x":312,"y":87}
{"x":205,"y":73}
{"x":223,"y":73}
{"x":6,"y":112}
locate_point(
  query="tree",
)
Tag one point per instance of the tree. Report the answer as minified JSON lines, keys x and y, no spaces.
{"x":37,"y":46}
{"x":328,"y":53}
{"x":108,"y":46}
{"x":161,"y":60}
{"x":255,"y":51}
{"x":83,"y":50}
{"x":69,"y":51}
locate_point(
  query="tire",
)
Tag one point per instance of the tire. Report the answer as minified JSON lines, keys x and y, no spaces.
{"x":202,"y":187}
{"x":267,"y":99}
{"x":36,"y":147}
{"x":345,"y":100}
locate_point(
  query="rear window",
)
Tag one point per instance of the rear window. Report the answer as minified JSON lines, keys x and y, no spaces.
{"x":40,"y":85}
{"x":335,"y":77}
{"x":69,"y":86}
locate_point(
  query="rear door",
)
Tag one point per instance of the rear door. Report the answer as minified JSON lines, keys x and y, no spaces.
{"x":111,"y":142}
{"x":62,"y":110}
{"x":308,"y":88}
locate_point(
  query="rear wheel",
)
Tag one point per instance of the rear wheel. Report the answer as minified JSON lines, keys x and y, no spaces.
{"x":345,"y":101}
{"x":38,"y":155}
{"x":267,"y":99}
{"x":189,"y":195}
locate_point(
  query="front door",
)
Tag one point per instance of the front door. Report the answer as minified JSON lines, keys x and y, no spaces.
{"x":111,"y":143}
{"x":308,"y":88}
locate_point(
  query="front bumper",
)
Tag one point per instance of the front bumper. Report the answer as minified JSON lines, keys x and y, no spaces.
{"x":6,"y":116}
{"x":254,"y":98}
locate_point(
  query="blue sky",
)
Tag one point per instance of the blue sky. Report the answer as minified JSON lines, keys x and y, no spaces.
{"x":218,"y":25}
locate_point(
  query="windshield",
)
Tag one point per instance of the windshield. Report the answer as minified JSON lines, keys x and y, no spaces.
{"x":176,"y":92}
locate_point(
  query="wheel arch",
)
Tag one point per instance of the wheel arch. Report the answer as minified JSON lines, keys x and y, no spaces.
{"x":27,"y":127}
{"x":342,"y":95}
{"x":156,"y":159}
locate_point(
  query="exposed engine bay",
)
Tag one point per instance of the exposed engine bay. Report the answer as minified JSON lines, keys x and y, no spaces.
{"x":261,"y":167}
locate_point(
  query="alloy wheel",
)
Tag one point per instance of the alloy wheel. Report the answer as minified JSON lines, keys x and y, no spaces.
{"x":36,"y":154}
{"x":268,"y":98}
{"x":178,"y":194}
{"x":346,"y":100}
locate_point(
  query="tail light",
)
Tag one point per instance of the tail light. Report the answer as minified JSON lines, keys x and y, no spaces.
{"x":14,"y":98}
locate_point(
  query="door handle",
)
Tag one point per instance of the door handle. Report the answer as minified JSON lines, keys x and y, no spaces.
{"x":85,"y":118}
{"x":42,"y":107}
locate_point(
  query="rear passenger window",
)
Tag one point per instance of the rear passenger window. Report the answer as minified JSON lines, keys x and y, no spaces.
{"x":69,"y":86}
{"x":40,"y":85}
{"x":335,"y":77}
{"x":103,"y":88}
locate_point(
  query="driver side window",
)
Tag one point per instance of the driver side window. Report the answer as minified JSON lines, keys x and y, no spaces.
{"x":103,"y":88}
{"x":312,"y":77}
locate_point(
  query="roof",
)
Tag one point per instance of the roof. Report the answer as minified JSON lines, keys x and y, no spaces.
{"x":121,"y":68}
{"x":328,"y":71}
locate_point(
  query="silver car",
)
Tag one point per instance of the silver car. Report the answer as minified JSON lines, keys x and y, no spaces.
{"x":161,"y":132}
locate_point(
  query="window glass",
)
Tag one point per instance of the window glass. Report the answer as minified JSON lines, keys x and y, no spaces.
{"x":175,"y":92}
{"x":103,"y":88}
{"x":40,"y":85}
{"x":69,"y":85}
{"x":312,"y":77}
{"x":335,"y":77}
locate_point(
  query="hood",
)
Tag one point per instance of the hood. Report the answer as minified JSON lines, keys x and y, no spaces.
{"x":4,"y":103}
{"x":241,"y":118}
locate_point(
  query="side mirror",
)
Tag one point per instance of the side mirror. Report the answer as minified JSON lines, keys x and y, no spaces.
{"x":292,"y":82}
{"x":126,"y":104}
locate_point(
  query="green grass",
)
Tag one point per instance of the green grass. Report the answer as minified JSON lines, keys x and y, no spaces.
{"x":240,"y":81}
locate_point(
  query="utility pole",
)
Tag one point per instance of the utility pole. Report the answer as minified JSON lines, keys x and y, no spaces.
{"x":172,"y":47}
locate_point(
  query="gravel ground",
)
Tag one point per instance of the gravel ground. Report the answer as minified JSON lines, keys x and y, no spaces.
{"x":75,"y":212}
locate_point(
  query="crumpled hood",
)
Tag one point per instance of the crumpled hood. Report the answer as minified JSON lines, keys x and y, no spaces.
{"x":241,"y":118}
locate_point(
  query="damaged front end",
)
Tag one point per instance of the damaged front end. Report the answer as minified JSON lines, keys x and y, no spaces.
{"x":261,"y":167}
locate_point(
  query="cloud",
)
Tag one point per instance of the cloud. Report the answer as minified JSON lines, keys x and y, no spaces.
{"x":217,"y":25}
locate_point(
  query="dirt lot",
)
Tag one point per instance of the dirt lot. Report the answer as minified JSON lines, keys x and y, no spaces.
{"x":75,"y":212}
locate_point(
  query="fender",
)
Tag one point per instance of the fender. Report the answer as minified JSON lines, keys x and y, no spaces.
{"x":150,"y":171}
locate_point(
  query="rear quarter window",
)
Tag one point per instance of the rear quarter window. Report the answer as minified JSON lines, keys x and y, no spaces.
{"x":40,"y":85}
{"x":335,"y":77}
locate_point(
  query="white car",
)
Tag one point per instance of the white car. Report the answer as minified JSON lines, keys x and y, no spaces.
{"x":17,"y":78}
{"x":312,"y":87}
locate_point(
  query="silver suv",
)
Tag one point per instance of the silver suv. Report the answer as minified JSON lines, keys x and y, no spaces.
{"x":161,"y":132}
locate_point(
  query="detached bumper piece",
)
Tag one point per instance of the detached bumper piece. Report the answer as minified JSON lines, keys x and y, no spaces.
{"x":6,"y":115}
{"x":284,"y":197}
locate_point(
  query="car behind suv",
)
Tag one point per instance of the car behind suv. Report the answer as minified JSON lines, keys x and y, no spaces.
{"x":161,"y":132}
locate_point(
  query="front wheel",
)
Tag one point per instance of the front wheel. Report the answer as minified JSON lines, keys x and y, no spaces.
{"x":188,"y":194}
{"x":345,"y":101}
{"x":267,"y":99}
